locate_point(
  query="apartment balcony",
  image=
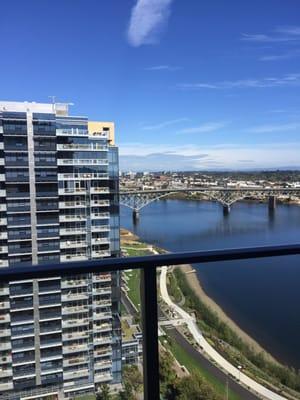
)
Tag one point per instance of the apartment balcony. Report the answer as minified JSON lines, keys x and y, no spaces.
{"x":75,"y":336}
{"x":5,"y":372}
{"x":73,"y":244}
{"x":75,"y":348}
{"x":100,"y":190}
{"x":81,"y":147}
{"x":104,"y":327}
{"x":2,"y":207}
{"x":72,"y":204}
{"x":72,"y":218}
{"x":3,"y":235}
{"x":100,"y":228}
{"x":3,"y":221}
{"x":106,"y":352}
{"x":75,"y":322}
{"x":102,"y":340}
{"x":74,"y":310}
{"x":102,"y":303}
{"x":6,"y":386}
{"x":5,"y":346}
{"x":2,"y":177}
{"x":71,"y":283}
{"x":104,"y":364}
{"x":73,"y":257}
{"x":100,"y":203}
{"x":102,"y":378}
{"x":102,"y":316}
{"x":73,"y":161}
{"x":3,"y":249}
{"x":96,"y":241}
{"x":101,"y":291}
{"x":74,"y":296}
{"x":4,"y":318}
{"x":71,"y":191}
{"x":5,"y":360}
{"x":80,"y":373}
{"x":4,"y":305}
{"x":72,"y":132}
{"x":100,"y":215}
{"x":2,"y":192}
{"x":2,"y":159}
{"x":5,"y":333}
{"x":69,"y":362}
{"x":83,"y":176}
{"x":100,"y":253}
{"x":102,"y":278}
{"x":4,"y":290}
{"x":3,"y":263}
{"x":72,"y":231}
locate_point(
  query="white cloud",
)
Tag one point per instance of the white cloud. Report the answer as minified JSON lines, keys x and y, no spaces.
{"x":286,"y":80}
{"x":204,"y":128}
{"x":148,"y":17}
{"x":164,"y":124}
{"x":279,"y":34}
{"x":140,"y":156}
{"x":283,"y":56}
{"x":163,"y":68}
{"x":270,"y":128}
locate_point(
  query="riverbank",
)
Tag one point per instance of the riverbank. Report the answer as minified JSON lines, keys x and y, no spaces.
{"x":195,"y":284}
{"x":128,"y":238}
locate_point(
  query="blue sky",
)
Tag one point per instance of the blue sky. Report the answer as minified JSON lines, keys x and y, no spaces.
{"x":190,"y":84}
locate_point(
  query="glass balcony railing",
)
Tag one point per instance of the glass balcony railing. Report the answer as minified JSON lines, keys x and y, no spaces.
{"x":163,"y":312}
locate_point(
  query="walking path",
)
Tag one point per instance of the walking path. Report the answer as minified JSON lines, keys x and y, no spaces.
{"x":221,"y":361}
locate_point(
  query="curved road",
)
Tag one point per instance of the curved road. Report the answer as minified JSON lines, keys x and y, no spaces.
{"x":209,"y":350}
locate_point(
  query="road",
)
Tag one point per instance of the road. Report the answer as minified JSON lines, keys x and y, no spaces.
{"x":208,"y":349}
{"x":208,"y":366}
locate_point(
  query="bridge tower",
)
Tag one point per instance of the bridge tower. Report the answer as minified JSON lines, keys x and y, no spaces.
{"x":226,"y":209}
{"x":135,"y":215}
{"x":272,"y":203}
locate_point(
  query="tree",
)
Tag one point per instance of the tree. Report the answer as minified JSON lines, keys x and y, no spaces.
{"x":194,"y":387}
{"x":104,"y":393}
{"x":133,"y":377}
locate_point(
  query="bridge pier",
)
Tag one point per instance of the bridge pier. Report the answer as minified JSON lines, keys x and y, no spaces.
{"x":272,"y":203}
{"x":135,"y":215}
{"x":226,"y":209}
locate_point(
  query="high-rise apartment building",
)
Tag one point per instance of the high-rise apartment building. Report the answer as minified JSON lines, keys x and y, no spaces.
{"x":58,"y":203}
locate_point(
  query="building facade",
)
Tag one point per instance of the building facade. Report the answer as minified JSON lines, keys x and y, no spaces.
{"x":58,"y":203}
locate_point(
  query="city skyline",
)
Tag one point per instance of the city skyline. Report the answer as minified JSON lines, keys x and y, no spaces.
{"x":189,"y":85}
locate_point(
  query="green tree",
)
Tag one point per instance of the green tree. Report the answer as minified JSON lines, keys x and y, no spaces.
{"x":133,"y":377}
{"x":194,"y":387}
{"x":103,"y":394}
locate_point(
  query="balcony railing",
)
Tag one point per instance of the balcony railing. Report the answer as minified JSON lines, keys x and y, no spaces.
{"x":149,"y":299}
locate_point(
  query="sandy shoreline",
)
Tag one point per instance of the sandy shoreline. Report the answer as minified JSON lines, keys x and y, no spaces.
{"x":195,"y":284}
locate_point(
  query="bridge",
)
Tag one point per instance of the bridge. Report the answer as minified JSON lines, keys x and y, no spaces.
{"x":138,"y":199}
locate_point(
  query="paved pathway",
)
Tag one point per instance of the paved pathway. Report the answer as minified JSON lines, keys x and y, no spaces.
{"x":212,"y":353}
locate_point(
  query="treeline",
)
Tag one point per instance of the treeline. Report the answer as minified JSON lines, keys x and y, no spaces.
{"x":218,"y":329}
{"x":187,"y":388}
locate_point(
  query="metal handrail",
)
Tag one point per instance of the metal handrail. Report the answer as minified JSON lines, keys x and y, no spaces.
{"x":148,"y":265}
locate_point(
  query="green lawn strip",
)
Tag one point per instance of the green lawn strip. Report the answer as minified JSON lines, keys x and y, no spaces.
{"x":192,"y":365}
{"x":133,"y":283}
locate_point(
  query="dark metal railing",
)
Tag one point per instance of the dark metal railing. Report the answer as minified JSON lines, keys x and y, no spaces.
{"x":148,"y":265}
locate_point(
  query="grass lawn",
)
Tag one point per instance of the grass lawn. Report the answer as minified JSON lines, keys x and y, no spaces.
{"x":191,"y":364}
{"x":133,"y":284}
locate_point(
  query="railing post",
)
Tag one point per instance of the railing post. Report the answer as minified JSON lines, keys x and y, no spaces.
{"x":150,"y":333}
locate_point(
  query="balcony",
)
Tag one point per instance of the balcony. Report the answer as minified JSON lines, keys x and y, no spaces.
{"x":148,"y":266}
{"x":4,"y":305}
{"x":100,"y":190}
{"x":104,"y":327}
{"x":5,"y":333}
{"x":100,"y":253}
{"x":72,"y":231}
{"x":67,"y":284}
{"x":5,"y":346}
{"x":104,"y":364}
{"x":75,"y":335}
{"x":82,"y":147}
{"x":100,"y":228}
{"x":73,"y":257}
{"x":75,"y":322}
{"x":74,"y":296}
{"x":6,"y":386}
{"x":101,"y":291}
{"x":73,"y":244}
{"x":3,"y":235}
{"x":82,"y":176}
{"x":102,"y":278}
{"x":76,"y":374}
{"x":100,"y":203}
{"x":73,"y":161}
{"x":100,"y":240}
{"x":71,"y":191}
{"x":3,"y":249}
{"x":5,"y":372}
{"x":75,"y":348}
{"x":72,"y":204}
{"x":4,"y":318}
{"x":102,"y":340}
{"x":4,"y":291}
{"x":74,"y":310}
{"x":100,"y":215}
{"x":72,"y":132}
{"x":72,"y":218}
{"x":102,"y":316}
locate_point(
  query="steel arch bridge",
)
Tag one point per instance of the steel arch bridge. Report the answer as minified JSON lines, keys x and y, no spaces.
{"x":138,"y":199}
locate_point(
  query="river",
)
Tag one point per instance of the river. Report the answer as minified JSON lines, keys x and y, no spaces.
{"x":261,"y":296}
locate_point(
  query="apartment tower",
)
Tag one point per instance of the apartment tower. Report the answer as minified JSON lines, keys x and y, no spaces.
{"x":58,"y":203}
